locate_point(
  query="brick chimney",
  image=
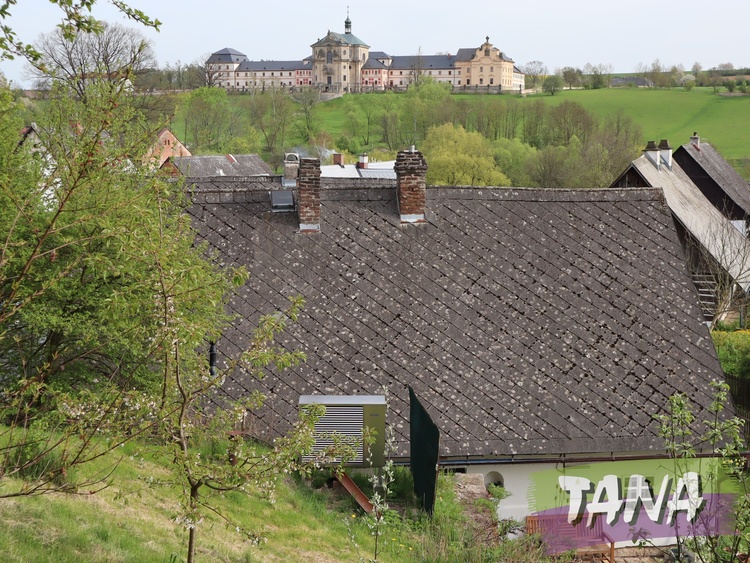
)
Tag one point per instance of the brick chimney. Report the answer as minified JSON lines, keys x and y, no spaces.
{"x":308,"y":202}
{"x":411,"y":188}
{"x":363,"y":160}
{"x":338,"y":159}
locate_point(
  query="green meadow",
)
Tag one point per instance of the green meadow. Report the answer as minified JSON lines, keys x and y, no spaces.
{"x":673,"y":114}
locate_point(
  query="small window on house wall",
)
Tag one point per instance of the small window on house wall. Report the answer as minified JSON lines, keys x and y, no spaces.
{"x":486,"y":52}
{"x":329,"y":57}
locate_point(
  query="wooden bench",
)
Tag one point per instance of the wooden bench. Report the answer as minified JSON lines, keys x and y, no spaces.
{"x":588,"y":542}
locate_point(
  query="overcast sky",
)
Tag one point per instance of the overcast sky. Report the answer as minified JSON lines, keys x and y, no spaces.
{"x":573,"y":33}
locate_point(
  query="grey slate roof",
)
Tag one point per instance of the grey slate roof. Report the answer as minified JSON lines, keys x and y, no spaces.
{"x":528,"y":321}
{"x":373,"y":63}
{"x":719,"y":171}
{"x":209,"y":166}
{"x":424,"y":62}
{"x":274,"y":65}
{"x":465,"y":54}
{"x":227,"y":55}
{"x":341,"y":39}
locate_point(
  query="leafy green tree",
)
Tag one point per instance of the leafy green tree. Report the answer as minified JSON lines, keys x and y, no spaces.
{"x":552,"y":84}
{"x":90,"y":238}
{"x":490,"y":114}
{"x":567,"y":120}
{"x":307,"y":103}
{"x":535,"y":131}
{"x":458,"y":157}
{"x":272,"y":113}
{"x":207,"y":116}
{"x":514,"y":158}
{"x":572,"y":76}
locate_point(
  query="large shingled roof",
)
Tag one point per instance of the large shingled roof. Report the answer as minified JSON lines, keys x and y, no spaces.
{"x":527,"y":321}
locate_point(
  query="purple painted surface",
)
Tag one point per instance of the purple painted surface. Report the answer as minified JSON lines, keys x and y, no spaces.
{"x":715,"y":517}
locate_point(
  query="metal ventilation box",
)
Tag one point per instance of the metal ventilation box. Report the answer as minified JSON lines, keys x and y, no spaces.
{"x":349,"y":415}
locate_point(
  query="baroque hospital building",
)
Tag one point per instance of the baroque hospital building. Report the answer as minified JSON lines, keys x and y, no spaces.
{"x":341,"y":62}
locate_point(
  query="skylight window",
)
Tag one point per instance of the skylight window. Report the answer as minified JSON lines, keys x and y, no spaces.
{"x":282,"y":200}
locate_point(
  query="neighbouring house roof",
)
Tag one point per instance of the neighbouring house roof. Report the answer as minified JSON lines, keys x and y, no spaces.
{"x":382,"y":170}
{"x":239,"y":165}
{"x":710,"y":166}
{"x":167,"y":144}
{"x":701,"y":219}
{"x":528,"y":321}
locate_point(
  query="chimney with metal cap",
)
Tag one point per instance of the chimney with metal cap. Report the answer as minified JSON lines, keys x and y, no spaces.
{"x":695,"y":140}
{"x":291,"y":170}
{"x":308,"y":202}
{"x":665,"y":152}
{"x":411,"y":187}
{"x":652,"y":153}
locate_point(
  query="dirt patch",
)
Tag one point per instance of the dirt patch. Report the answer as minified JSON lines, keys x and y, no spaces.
{"x":473,"y":497}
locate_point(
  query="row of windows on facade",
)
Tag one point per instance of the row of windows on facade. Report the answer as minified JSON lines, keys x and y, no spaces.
{"x":366,"y":72}
{"x":329,"y":61}
{"x":375,"y":82}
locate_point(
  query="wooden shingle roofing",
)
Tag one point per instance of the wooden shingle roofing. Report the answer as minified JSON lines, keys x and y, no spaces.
{"x":717,"y":169}
{"x":701,"y":219}
{"x":528,"y":321}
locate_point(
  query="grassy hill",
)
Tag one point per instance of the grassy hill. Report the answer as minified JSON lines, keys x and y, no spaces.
{"x":662,"y":114}
{"x":674,"y":114}
{"x":134,"y":520}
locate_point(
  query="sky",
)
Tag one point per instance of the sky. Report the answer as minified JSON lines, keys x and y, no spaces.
{"x":621,"y":34}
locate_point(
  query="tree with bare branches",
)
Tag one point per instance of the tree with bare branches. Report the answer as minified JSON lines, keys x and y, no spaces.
{"x":114,"y":54}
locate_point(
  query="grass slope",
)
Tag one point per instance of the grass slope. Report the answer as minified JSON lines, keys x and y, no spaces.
{"x":661,"y":113}
{"x":134,"y":520}
{"x":674,"y":114}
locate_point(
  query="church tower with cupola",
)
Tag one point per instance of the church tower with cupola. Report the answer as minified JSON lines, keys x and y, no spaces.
{"x":338,"y":59}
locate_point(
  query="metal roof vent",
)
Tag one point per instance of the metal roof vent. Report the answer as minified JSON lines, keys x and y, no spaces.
{"x":282,"y":200}
{"x":348,"y":415}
